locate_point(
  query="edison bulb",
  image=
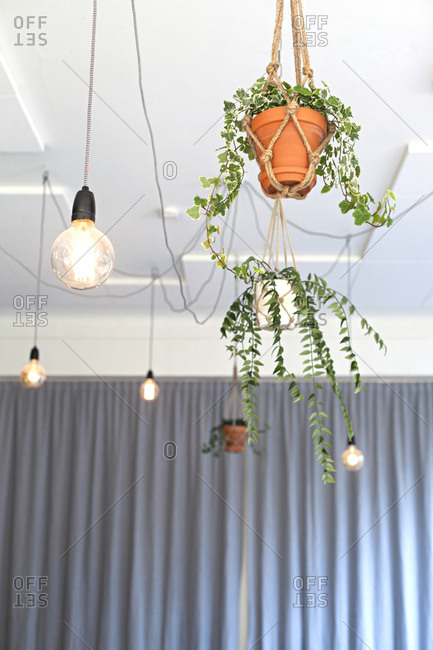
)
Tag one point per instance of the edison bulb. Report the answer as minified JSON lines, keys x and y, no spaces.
{"x":82,"y":257}
{"x":352,"y":458}
{"x":149,"y":390}
{"x":33,"y":374}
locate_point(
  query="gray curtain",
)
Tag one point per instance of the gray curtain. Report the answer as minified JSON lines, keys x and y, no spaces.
{"x":346,"y":566}
{"x":154,"y":553}
{"x":142,"y":552}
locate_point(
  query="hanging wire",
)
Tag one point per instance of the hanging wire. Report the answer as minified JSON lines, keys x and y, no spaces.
{"x":349,"y":269}
{"x":55,"y":201}
{"x":188,"y":247}
{"x":41,"y":246}
{"x":155,"y":164}
{"x":152,"y":316}
{"x":223,"y":278}
{"x":89,"y":103}
{"x":335,"y":262}
{"x":250,"y":188}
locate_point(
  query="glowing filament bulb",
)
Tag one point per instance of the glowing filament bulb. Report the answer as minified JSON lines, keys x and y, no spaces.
{"x":33,"y":374}
{"x":82,"y":254}
{"x":149,"y":389}
{"x":352,"y":458}
{"x":82,"y":257}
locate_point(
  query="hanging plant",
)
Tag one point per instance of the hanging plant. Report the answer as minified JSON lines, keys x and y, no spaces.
{"x":294,"y":133}
{"x":228,"y":436}
{"x":276,"y":300}
{"x":241,"y":327}
{"x":231,"y":434}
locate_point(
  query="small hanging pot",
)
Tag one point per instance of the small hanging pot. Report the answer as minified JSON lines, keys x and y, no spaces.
{"x":285,"y":298}
{"x":290,"y":158}
{"x":235,"y":437}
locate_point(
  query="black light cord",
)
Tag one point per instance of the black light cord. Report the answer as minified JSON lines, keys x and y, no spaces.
{"x":89,"y":103}
{"x":191,"y":244}
{"x":155,"y":164}
{"x":223,"y":279}
{"x":55,"y":201}
{"x":252,"y":189}
{"x":152,"y":317}
{"x":41,"y":246}
{"x":335,"y":262}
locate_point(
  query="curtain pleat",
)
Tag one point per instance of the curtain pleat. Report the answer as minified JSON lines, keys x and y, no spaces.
{"x":140,"y":551}
{"x":143,"y":552}
{"x":348,"y":565}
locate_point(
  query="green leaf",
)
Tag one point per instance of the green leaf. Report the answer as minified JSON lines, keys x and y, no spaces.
{"x":206,"y":183}
{"x":194,"y":212}
{"x":345,"y":206}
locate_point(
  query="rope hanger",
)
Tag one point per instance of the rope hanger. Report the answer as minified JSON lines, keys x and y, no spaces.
{"x":303,"y":72}
{"x":278,"y":232}
{"x":278,"y":223}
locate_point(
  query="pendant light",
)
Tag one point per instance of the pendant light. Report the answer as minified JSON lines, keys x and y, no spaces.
{"x":352,"y":458}
{"x":82,"y":257}
{"x":33,"y":374}
{"x":149,"y":389}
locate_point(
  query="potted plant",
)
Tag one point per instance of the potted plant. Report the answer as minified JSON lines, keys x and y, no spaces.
{"x":338,"y":164}
{"x":243,"y":330}
{"x":294,"y":133}
{"x":231,"y":434}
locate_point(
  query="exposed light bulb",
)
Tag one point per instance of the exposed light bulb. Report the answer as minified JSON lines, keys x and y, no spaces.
{"x":33,"y":374}
{"x":149,"y":389}
{"x":82,"y":257}
{"x":352,"y":458}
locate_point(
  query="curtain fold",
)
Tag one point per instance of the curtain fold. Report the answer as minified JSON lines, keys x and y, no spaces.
{"x":347,"y":565}
{"x":139,"y":551}
{"x":144,"y":552}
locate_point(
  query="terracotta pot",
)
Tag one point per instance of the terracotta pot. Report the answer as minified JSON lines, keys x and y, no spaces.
{"x":235,"y":437}
{"x":290,"y":159}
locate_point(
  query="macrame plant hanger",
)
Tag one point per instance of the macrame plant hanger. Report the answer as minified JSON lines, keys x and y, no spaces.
{"x":233,"y":409}
{"x":304,"y":72}
{"x":278,"y":233}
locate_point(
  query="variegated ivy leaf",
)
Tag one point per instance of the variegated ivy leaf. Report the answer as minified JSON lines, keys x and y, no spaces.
{"x":194,"y":212}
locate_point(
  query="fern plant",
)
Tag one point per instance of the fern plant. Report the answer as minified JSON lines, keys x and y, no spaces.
{"x":240,"y":327}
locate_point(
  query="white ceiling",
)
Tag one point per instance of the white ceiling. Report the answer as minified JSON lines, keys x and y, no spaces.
{"x":195,"y":54}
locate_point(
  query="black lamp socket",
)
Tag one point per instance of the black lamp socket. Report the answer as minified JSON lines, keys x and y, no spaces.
{"x":84,"y":205}
{"x":34,"y":354}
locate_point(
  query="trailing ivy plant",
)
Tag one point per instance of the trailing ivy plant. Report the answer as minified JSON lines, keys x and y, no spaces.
{"x":240,"y":327}
{"x":338,"y":166}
